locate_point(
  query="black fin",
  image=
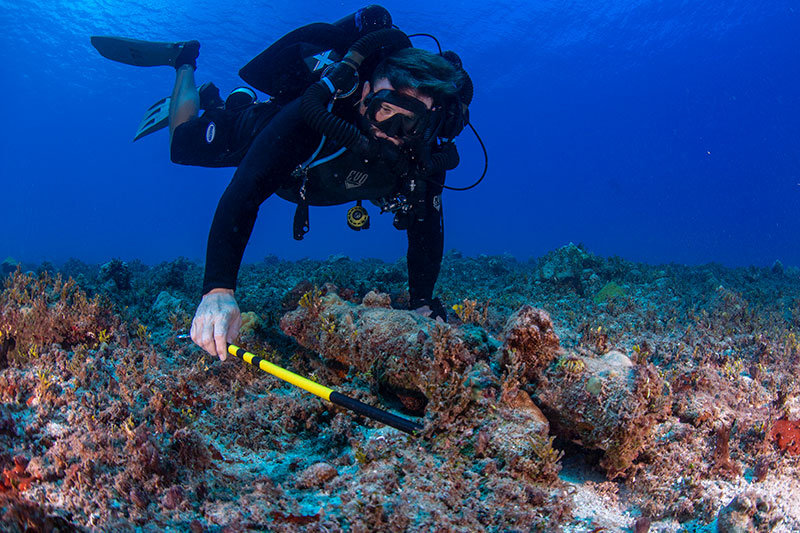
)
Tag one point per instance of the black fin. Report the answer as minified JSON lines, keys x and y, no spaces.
{"x":137,"y":52}
{"x":156,"y":118}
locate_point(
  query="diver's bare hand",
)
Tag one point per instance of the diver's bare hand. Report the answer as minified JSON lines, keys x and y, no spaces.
{"x":216,"y":322}
{"x":431,"y":308}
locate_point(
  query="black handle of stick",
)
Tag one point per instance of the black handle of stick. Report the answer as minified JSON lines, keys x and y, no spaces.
{"x":326,"y":393}
{"x":376,"y":414}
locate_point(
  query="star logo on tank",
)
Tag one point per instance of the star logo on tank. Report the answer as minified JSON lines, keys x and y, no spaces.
{"x":323,"y":60}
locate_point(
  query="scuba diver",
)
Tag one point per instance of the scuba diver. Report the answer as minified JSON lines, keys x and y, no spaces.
{"x":356,"y":113}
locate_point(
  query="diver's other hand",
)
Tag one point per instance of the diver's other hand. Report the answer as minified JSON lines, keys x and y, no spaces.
{"x":383,"y":151}
{"x":216,"y":322}
{"x":431,"y":308}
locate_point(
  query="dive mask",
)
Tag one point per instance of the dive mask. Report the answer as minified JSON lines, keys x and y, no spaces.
{"x":401,"y":125}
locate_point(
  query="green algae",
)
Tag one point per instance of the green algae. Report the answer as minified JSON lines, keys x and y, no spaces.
{"x":610,"y":291}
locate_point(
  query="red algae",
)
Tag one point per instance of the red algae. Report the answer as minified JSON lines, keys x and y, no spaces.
{"x":786,"y":434}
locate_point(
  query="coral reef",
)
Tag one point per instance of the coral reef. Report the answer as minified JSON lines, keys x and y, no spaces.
{"x":748,"y":511}
{"x":117,"y":273}
{"x":8,"y":266}
{"x":550,"y":400}
{"x":37,"y":311}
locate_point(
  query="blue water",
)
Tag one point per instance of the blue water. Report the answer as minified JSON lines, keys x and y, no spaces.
{"x":658,"y":131}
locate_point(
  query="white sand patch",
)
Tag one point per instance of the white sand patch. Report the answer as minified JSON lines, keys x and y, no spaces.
{"x":784,"y":490}
{"x":597,"y":506}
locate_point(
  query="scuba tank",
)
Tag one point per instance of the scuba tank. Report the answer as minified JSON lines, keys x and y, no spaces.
{"x":287,"y":67}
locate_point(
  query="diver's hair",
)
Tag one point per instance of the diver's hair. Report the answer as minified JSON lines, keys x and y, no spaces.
{"x":426,"y":72}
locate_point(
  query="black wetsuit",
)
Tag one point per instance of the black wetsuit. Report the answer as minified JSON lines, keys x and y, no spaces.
{"x":268,"y":144}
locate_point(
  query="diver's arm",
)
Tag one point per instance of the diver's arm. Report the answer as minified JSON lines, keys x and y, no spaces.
{"x":274,"y":153}
{"x":270,"y":159}
{"x":217,"y":320}
{"x":230,"y":231}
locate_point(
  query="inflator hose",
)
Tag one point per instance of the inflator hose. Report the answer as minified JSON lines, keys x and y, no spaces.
{"x":313,"y":106}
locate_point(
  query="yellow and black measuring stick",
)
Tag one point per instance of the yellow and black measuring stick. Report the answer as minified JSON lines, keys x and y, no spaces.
{"x":412,"y":428}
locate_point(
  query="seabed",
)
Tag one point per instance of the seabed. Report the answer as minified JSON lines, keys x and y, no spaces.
{"x":568,"y":393}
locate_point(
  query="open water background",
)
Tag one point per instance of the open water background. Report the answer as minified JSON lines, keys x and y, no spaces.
{"x":658,"y":131}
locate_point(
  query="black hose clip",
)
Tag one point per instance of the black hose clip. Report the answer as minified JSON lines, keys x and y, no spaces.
{"x":344,"y":78}
{"x":393,"y":204}
{"x":399,"y":205}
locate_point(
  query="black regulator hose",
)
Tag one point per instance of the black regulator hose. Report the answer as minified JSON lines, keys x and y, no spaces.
{"x":447,"y":159}
{"x":391,"y":38}
{"x":341,"y":77}
{"x":315,"y":112}
{"x":466,"y":92}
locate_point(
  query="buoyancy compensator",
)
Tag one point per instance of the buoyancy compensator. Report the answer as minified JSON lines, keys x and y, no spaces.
{"x":322,"y":62}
